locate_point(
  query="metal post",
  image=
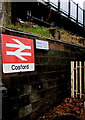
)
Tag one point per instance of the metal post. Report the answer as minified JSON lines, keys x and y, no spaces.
{"x":58,"y":5}
{"x":77,"y":14}
{"x":69,"y":7}
{"x":84,"y":18}
{"x":48,"y":2}
{"x":72,"y":79}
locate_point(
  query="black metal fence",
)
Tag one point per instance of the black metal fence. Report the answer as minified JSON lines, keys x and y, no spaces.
{"x":69,"y":9}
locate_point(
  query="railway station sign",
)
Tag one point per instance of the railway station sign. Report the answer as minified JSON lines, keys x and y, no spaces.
{"x":17,"y":54}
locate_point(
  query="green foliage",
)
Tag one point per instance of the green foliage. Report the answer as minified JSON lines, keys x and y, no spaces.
{"x":43,"y":31}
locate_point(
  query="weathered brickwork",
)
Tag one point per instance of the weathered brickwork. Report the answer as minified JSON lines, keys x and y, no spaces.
{"x":30,"y":94}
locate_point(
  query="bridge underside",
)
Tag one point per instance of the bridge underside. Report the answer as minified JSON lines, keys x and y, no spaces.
{"x":43,"y":15}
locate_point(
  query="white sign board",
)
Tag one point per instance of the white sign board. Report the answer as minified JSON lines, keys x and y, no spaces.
{"x":40,"y":44}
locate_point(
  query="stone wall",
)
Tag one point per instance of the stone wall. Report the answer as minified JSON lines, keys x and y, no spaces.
{"x":30,"y":94}
{"x":5,"y":12}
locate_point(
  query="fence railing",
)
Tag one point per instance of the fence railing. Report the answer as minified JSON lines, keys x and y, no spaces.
{"x":78,"y":79}
{"x":69,"y":9}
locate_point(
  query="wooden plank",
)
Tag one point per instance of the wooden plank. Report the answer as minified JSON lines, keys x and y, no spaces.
{"x":72,"y":79}
{"x":76,"y":78}
{"x":80,"y":74}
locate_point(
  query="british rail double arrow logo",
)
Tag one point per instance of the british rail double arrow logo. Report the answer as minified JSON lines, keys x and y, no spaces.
{"x":18,"y":53}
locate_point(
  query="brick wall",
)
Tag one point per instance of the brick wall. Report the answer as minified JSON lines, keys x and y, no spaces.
{"x":30,"y":94}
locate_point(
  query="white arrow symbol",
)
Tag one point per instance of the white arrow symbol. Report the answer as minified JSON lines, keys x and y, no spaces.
{"x":18,"y":52}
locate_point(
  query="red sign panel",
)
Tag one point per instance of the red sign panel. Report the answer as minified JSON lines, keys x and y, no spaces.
{"x":17,"y":54}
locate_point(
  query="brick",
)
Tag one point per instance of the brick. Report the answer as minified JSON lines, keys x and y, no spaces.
{"x":23,"y":111}
{"x":33,"y":97}
{"x":27,"y":89}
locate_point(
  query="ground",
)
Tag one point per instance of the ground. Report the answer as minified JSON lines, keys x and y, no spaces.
{"x":69,"y":109}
